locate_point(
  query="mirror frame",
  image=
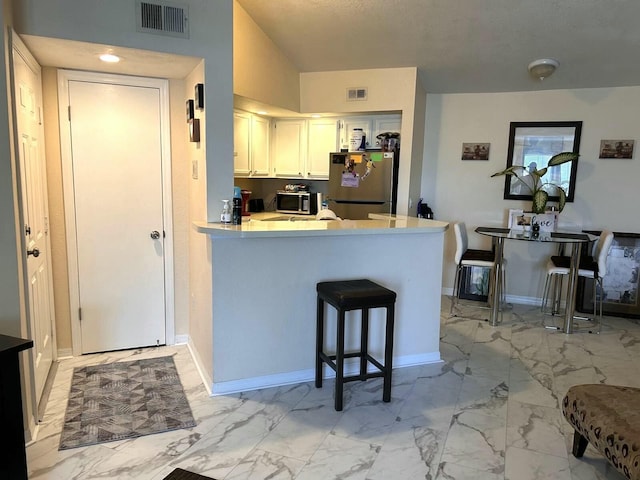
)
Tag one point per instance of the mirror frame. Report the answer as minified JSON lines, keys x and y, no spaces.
{"x":557,"y":130}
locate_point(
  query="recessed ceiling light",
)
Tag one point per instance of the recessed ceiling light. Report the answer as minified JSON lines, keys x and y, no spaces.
{"x":109,"y":58}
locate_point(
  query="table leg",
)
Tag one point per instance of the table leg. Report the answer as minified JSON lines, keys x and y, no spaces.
{"x":497,"y":282}
{"x":571,"y":287}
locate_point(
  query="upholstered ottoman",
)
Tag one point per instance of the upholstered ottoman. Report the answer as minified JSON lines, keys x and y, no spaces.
{"x":607,"y":417}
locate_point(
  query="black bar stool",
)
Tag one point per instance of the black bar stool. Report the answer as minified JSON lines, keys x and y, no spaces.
{"x":354,"y":295}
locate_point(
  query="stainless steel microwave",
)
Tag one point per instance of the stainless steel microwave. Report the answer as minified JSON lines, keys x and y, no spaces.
{"x":300,"y":203}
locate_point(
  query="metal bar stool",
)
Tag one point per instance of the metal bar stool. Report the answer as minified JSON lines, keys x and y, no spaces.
{"x":349,"y":295}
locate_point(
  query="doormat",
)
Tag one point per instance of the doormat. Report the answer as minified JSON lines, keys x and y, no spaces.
{"x":122,"y":400}
{"x":179,"y":474}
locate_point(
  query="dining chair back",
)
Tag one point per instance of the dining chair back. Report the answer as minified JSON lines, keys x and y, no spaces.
{"x":465,"y":258}
{"x":593,"y":267}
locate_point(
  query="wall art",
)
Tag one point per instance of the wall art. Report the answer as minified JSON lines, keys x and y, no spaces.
{"x":616,"y":148}
{"x":194,"y":130}
{"x":199,"y":96}
{"x":475,"y":151}
{"x":190,"y":111}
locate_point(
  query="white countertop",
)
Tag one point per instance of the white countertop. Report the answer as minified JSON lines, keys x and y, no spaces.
{"x":259,"y":226}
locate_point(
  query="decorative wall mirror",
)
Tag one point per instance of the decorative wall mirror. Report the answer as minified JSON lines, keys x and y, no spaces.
{"x":532,"y":144}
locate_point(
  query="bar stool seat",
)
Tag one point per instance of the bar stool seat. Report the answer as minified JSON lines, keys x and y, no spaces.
{"x":349,"y":295}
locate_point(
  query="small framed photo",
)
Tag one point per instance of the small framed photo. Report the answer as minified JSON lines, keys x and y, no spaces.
{"x":199,"y":96}
{"x":616,"y":149}
{"x":475,"y":151}
{"x":194,"y":130}
{"x":190,"y":111}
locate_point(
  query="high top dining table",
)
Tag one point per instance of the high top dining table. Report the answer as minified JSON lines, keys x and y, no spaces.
{"x":574,"y":239}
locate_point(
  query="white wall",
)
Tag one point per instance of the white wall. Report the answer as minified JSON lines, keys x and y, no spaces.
{"x":261,"y":72}
{"x":606,"y":190}
{"x":113,"y":23}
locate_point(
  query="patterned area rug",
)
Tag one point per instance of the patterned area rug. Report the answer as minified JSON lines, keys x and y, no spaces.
{"x":124,"y":400}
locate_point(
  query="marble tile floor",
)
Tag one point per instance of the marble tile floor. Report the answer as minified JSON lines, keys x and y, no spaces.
{"x":489,"y":411}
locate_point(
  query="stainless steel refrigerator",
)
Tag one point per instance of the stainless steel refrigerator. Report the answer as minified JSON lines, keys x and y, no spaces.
{"x":362,"y":182}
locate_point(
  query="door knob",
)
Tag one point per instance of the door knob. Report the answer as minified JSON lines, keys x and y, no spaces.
{"x":35,"y":252}
{"x":155,"y":235}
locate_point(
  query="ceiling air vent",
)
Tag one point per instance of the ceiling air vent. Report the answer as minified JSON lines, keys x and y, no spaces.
{"x":163,"y":18}
{"x":359,"y":93}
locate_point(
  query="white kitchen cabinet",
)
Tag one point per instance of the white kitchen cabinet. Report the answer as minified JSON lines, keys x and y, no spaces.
{"x":382,"y":124}
{"x":241,"y":149}
{"x":250,"y":145}
{"x":371,"y":125}
{"x":349,"y":123}
{"x":323,"y":139}
{"x":260,"y":146}
{"x":289,"y":148}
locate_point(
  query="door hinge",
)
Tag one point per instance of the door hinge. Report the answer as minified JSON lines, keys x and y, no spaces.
{"x":80,"y":314}
{"x":69,"y":112}
{"x":27,"y":230}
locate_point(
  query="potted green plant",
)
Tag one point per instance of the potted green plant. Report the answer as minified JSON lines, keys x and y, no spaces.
{"x":533,"y":181}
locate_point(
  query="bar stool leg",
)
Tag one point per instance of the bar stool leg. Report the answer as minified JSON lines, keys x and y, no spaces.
{"x":319,"y":341}
{"x":388,"y":354}
{"x":339,"y":361}
{"x":364,"y":341}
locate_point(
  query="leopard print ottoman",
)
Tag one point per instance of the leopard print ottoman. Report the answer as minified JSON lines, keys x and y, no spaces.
{"x":607,"y":417}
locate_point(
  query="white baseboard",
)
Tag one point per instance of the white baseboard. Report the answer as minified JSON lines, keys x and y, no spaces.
{"x":308,"y":375}
{"x":181,"y":340}
{"x":65,"y":353}
{"x":510,"y":298}
{"x":208,"y":382}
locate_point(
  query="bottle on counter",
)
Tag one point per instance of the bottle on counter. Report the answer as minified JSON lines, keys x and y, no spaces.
{"x":225,"y":215}
{"x":236,"y":214}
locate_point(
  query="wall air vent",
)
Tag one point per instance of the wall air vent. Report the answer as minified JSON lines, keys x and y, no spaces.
{"x":356,"y":93}
{"x":162,"y":18}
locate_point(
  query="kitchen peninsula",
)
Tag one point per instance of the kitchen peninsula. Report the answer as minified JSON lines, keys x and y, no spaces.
{"x":264,"y":292}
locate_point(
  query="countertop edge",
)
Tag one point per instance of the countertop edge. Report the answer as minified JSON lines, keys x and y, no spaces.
{"x":376,"y":227}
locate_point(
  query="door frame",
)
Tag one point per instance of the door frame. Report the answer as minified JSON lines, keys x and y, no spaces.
{"x":17,"y":46}
{"x":64,"y":76}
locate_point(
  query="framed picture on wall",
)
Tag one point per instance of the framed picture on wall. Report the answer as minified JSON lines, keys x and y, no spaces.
{"x":190,"y":110}
{"x":616,"y":149}
{"x":475,"y":151}
{"x":194,"y":130}
{"x":199,"y":96}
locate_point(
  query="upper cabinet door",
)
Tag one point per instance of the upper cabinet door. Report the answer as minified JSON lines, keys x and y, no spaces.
{"x":289,"y":148}
{"x":383,"y":124}
{"x":260,"y":146}
{"x":323,"y":139}
{"x":241,"y":152}
{"x":348,"y":124}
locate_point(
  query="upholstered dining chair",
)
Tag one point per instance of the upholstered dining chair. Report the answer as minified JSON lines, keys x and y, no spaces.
{"x":466,"y":257}
{"x":593,"y":266}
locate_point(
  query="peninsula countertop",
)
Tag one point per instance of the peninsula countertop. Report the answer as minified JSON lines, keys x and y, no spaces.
{"x":278,"y":225}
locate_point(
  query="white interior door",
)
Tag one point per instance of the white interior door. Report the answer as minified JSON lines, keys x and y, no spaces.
{"x":34,"y":209}
{"x":117,"y":177}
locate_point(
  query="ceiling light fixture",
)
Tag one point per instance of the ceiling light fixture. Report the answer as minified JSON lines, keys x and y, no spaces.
{"x":109,"y":58}
{"x":543,"y":67}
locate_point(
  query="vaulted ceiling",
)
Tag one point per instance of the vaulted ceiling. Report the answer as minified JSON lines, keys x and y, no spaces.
{"x":461,"y":45}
